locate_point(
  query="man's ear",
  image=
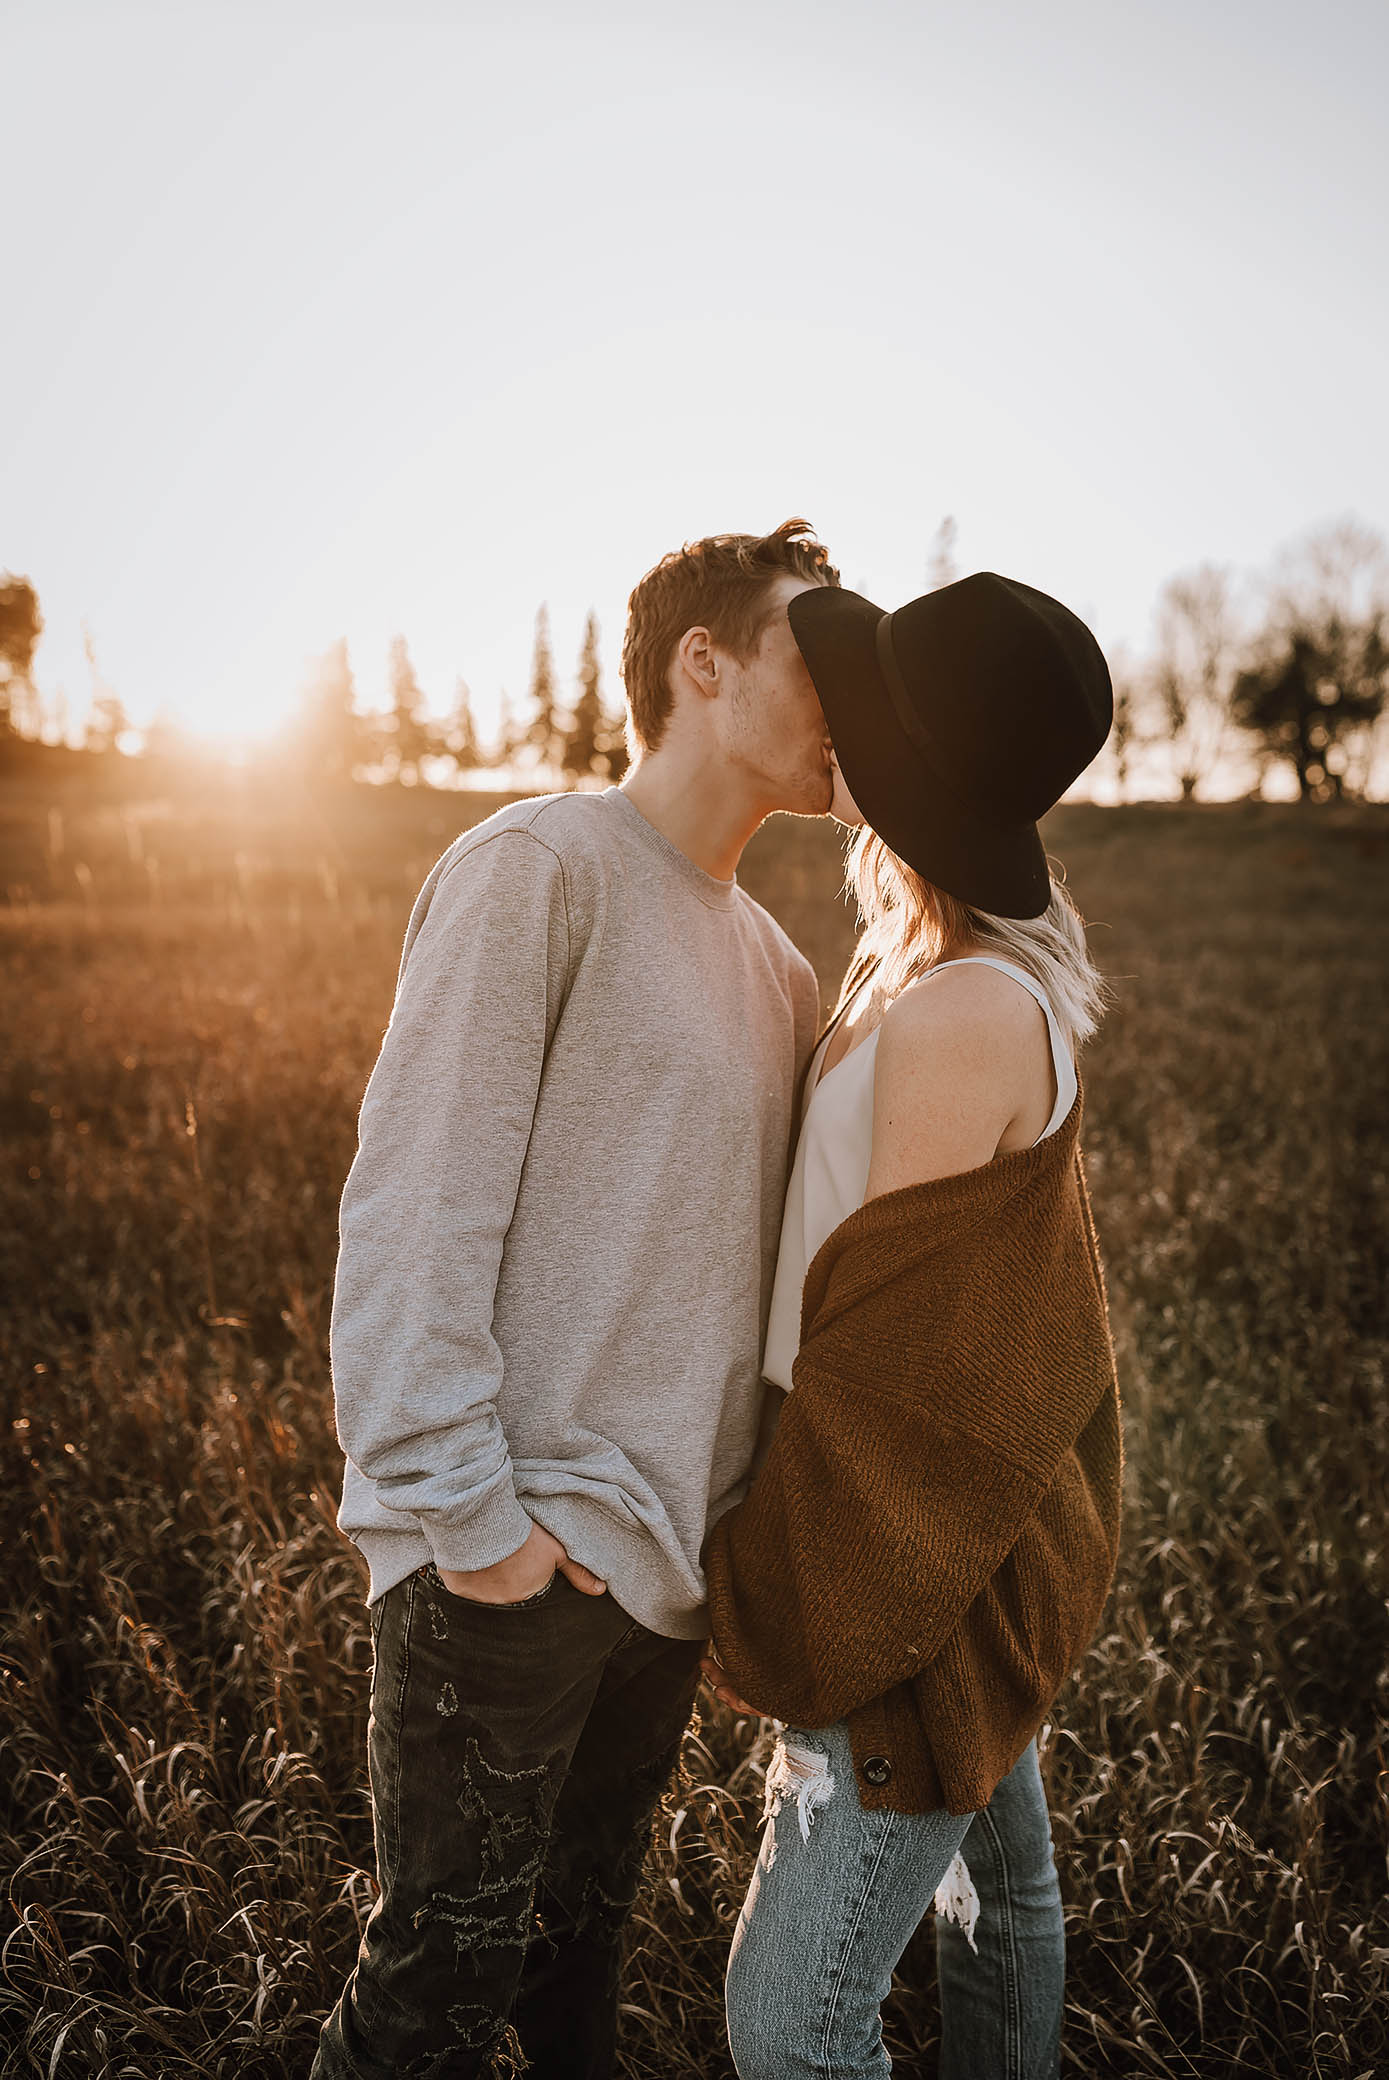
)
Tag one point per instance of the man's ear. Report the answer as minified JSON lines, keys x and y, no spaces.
{"x":696,"y":656}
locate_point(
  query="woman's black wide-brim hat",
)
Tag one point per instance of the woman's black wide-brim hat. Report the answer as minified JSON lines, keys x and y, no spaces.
{"x":957,"y":722}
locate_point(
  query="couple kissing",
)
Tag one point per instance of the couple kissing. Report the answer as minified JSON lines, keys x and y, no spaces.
{"x":625,"y":1407}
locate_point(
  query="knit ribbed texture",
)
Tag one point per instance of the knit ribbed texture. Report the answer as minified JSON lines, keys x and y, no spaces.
{"x":927,"y":1549}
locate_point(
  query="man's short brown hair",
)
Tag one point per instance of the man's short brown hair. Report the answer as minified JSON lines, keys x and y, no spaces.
{"x":719,"y":583}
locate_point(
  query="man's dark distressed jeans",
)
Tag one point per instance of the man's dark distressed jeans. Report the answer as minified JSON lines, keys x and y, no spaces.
{"x":516,"y":1754}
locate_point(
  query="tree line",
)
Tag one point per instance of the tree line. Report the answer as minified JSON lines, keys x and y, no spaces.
{"x":330,"y":735}
{"x":1289,"y":669}
{"x":579,"y":738}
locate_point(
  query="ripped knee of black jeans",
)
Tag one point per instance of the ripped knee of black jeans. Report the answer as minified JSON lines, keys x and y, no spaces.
{"x":510,"y":1810}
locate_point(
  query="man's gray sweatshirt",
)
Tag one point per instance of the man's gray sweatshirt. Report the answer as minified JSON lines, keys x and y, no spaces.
{"x":559,"y":1232}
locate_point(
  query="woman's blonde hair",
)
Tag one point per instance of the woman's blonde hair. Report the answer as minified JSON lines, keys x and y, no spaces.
{"x":909,"y":926}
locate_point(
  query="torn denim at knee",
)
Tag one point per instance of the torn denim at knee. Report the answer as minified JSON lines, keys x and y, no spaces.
{"x":801,"y":1773}
{"x":957,"y":1900}
{"x":804,"y":1773}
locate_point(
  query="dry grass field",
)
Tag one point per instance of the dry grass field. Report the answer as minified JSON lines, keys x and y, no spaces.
{"x":193,"y":999}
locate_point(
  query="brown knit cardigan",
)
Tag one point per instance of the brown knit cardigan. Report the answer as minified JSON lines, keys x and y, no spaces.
{"x":928,"y":1545}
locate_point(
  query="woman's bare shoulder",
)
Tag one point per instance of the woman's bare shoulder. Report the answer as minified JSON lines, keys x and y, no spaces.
{"x":954,"y":1061}
{"x":967,"y":1000}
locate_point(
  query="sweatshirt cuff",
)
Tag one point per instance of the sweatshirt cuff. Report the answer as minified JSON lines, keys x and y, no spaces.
{"x":493,"y":1531}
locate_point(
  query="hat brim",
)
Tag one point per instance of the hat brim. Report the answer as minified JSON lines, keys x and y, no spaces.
{"x":993,"y":866}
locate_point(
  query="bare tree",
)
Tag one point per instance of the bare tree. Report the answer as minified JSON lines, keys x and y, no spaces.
{"x":1194,"y":669}
{"x":59,"y":716}
{"x":941,"y":568}
{"x":1316,"y":688}
{"x":1337,"y":571}
{"x":1364,"y":748}
{"x":107,"y":721}
{"x":1126,"y":734}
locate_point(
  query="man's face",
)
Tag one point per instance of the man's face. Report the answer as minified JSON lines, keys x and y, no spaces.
{"x":774,"y":727}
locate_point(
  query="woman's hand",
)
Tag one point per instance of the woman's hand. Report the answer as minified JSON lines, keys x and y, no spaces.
{"x":716,"y":1675}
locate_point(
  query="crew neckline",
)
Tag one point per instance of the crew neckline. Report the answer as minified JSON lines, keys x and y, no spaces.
{"x":708,"y":887}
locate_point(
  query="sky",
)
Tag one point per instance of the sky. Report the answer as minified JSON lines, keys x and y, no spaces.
{"x":349,"y":320}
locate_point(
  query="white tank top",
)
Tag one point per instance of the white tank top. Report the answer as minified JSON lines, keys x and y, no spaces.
{"x":830,"y":1174}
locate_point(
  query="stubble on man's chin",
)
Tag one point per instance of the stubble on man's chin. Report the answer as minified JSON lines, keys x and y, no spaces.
{"x":807,"y":793}
{"x":824,"y":795}
{"x":807,"y":799}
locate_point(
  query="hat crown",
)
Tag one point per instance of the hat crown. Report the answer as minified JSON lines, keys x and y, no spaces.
{"x":958,"y":721}
{"x":1009,"y":690}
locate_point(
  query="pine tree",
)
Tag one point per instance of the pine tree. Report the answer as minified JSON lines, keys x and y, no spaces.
{"x":544,"y":737}
{"x":580,"y":754}
{"x":508,"y":736}
{"x":596,"y":740}
{"x":410,"y":734}
{"x":328,"y":734}
{"x":460,"y":736}
{"x":613,"y":755}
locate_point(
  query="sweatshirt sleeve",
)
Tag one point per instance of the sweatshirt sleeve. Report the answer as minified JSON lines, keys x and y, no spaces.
{"x":443,"y":1134}
{"x":806,"y":1001}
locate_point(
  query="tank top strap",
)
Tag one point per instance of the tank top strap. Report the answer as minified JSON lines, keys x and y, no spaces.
{"x":1061,"y":1059}
{"x":840,"y":1009}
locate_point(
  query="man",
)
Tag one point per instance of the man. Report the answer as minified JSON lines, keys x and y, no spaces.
{"x":557,"y":1244}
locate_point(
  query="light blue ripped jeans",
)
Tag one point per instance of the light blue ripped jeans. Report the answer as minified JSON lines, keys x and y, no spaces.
{"x":836,"y":1895}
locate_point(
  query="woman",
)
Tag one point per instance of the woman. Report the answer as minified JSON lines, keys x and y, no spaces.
{"x":925,"y":1550}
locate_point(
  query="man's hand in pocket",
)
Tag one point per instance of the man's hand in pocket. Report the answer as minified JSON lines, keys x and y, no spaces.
{"x":522,"y":1573}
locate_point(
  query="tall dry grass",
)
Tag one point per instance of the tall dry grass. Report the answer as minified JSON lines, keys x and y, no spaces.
{"x":186,"y":1832}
